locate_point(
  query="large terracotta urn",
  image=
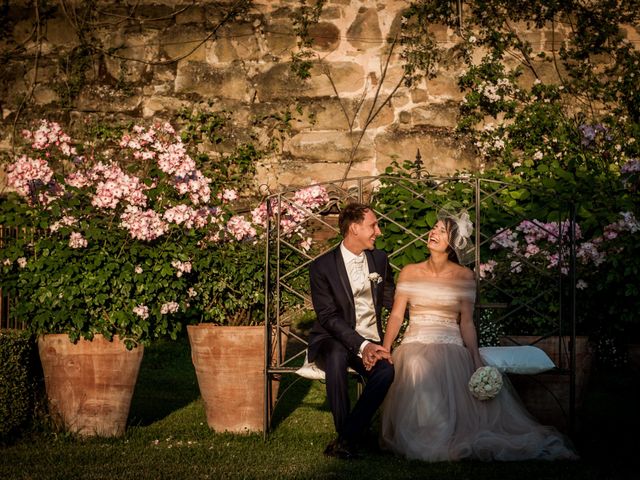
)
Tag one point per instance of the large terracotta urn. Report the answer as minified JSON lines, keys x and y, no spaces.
{"x":230,"y":367}
{"x":89,"y":384}
{"x":547,"y":395}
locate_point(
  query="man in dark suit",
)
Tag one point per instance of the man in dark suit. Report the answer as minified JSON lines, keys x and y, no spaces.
{"x":349,"y":286}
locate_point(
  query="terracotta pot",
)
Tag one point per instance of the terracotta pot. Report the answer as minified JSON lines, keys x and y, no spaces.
{"x":547,"y":395}
{"x":89,"y":384}
{"x":229,"y":363}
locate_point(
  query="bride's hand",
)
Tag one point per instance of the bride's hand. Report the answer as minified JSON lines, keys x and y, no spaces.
{"x":372,"y":353}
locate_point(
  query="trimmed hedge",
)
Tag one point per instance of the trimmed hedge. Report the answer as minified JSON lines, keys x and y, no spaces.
{"x":17,"y":381}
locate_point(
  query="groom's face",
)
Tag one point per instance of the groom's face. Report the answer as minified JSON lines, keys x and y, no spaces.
{"x":366,"y":232}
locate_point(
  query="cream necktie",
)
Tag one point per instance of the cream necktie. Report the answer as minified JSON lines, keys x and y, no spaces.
{"x":356,"y":270}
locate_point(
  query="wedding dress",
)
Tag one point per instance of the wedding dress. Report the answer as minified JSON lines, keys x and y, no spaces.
{"x":429,"y":413}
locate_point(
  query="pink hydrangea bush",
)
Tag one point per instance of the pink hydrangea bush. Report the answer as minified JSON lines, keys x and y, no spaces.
{"x":132,"y":236}
{"x":525,"y":264}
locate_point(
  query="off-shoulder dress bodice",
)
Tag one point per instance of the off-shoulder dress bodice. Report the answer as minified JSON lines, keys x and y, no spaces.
{"x":434,"y":308}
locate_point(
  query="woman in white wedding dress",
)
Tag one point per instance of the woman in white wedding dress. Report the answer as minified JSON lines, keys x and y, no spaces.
{"x":429,"y":412}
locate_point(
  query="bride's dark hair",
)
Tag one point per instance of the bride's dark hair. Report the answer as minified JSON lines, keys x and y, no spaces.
{"x":459,"y":228}
{"x":452,"y":233}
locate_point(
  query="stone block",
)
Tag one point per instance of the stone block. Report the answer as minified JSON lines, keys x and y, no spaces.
{"x":237,"y":41}
{"x":444,"y":87}
{"x":348,"y":77}
{"x":441,"y":33}
{"x":329,"y":146}
{"x":435,"y":115}
{"x":46,"y":73}
{"x":396,"y":24}
{"x":60,"y":33}
{"x":179,"y":41}
{"x":280,"y":38}
{"x":44,"y":95}
{"x":419,"y":95}
{"x":160,"y":104}
{"x":138,"y":46}
{"x":364,"y":33}
{"x":324,"y":114}
{"x":277,"y":83}
{"x":534,"y":38}
{"x":384,"y":117}
{"x":106,"y":99}
{"x":553,"y":39}
{"x":332,"y":13}
{"x":632,"y":34}
{"x":299,"y":172}
{"x":546,"y":73}
{"x":164,"y":73}
{"x":401,"y":98}
{"x":325,"y":36}
{"x":441,"y":153}
{"x":405,"y":117}
{"x":23,"y":31}
{"x":395,"y":75}
{"x":209,"y":81}
{"x":193,"y":14}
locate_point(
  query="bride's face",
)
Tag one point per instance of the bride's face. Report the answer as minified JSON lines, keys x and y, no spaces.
{"x":438,"y":238}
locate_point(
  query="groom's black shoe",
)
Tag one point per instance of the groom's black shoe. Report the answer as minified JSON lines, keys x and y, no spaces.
{"x":340,"y":448}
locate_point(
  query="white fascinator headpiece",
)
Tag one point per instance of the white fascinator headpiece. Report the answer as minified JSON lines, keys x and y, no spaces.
{"x":461,"y":241}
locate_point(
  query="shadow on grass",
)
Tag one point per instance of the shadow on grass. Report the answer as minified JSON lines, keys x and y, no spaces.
{"x":166,"y":383}
{"x":293,"y":389}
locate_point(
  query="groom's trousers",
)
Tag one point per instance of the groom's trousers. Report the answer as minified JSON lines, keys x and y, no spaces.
{"x":334,"y":359}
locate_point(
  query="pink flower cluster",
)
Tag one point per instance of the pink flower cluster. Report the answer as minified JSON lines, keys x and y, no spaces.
{"x":195,"y":185}
{"x":632,"y":166}
{"x":227,"y":195}
{"x":142,"y":311}
{"x":112,"y":186}
{"x":538,"y":236}
{"x":144,"y":225}
{"x":169,"y":307}
{"x":188,"y":216}
{"x":110,"y":189}
{"x":552,"y":232}
{"x":312,"y":197}
{"x":293,"y":212}
{"x":76,"y":240}
{"x":487,"y":268}
{"x":240,"y":228}
{"x":162,"y":144}
{"x":628,"y":223}
{"x":66,"y":221}
{"x":26,"y":170}
{"x":48,"y":135}
{"x":181,"y":267}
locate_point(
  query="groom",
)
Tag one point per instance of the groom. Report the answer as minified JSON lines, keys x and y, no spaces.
{"x":349,"y":286}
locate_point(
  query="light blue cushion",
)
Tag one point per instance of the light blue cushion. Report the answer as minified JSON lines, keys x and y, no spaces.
{"x":525,"y":359}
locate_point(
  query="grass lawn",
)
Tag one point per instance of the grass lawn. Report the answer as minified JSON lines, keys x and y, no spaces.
{"x":168,"y":438}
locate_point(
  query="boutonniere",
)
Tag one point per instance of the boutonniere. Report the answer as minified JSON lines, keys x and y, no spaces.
{"x":375,"y":277}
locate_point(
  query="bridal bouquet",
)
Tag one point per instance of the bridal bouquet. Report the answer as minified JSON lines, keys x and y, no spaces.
{"x":485,"y":383}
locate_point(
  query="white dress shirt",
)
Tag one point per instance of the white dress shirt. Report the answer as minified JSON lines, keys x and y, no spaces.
{"x":358,"y":272}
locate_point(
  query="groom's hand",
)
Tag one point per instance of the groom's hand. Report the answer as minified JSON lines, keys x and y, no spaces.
{"x":373,"y":352}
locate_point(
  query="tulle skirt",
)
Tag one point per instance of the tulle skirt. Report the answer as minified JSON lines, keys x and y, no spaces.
{"x":429,"y":413}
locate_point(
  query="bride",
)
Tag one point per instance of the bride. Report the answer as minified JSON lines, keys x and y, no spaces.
{"x":429,"y":413}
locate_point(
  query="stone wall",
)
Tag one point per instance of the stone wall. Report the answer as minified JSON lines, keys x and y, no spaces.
{"x":152,"y":61}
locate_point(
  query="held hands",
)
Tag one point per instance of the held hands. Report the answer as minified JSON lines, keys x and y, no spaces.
{"x":372,"y":353}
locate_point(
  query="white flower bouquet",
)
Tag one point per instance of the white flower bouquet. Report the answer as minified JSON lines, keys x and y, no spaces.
{"x":485,"y":383}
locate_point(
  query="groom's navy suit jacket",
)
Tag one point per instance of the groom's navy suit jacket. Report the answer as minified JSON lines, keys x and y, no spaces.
{"x":333,"y":299}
